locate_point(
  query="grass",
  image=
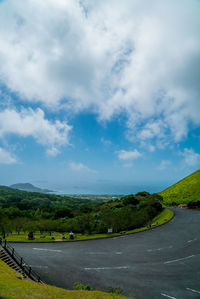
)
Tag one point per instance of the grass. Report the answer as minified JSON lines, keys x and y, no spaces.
{"x":23,"y":237}
{"x":12,"y":285}
{"x":188,"y":189}
{"x":165,"y":216}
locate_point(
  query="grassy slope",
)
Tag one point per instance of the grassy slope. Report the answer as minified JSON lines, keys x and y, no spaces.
{"x":188,"y":189}
{"x":12,"y":285}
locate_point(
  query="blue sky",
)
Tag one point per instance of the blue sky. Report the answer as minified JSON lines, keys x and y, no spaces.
{"x":99,"y":96}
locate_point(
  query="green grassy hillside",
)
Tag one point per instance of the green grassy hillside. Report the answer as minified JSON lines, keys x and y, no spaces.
{"x":13,"y":285}
{"x":186,"y":190}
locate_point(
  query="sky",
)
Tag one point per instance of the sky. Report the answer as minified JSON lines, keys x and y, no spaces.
{"x":99,"y":96}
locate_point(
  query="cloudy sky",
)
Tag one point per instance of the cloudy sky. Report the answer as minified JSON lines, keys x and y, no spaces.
{"x":99,"y":96}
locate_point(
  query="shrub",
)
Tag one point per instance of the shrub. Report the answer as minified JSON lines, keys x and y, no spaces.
{"x":114,"y":290}
{"x":157,"y":197}
{"x":193,"y":205}
{"x":129,"y":200}
{"x":81,"y":286}
{"x":143,"y":194}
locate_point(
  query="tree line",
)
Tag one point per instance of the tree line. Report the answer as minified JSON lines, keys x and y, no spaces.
{"x":22,"y":211}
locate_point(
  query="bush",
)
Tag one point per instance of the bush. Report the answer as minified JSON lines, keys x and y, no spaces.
{"x":114,"y":290}
{"x":193,"y":205}
{"x":129,"y":200}
{"x":81,"y":286}
{"x":143,"y":194}
{"x":157,"y":197}
{"x":152,"y":203}
{"x":156,"y":205}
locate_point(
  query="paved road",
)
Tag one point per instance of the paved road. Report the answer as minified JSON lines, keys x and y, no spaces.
{"x":159,"y":263}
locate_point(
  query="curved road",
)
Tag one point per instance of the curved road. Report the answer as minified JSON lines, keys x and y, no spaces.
{"x":160,"y":263}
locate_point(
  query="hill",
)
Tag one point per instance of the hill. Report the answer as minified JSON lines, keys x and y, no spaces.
{"x":184,"y":191}
{"x":29,"y":187}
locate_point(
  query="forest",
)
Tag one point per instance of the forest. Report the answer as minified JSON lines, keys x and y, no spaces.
{"x":22,"y":211}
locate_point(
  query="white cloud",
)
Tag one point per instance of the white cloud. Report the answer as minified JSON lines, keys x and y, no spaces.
{"x":32,"y":123}
{"x":191,"y":158}
{"x":151,"y":148}
{"x":128,"y":155}
{"x":6,"y":157}
{"x":140,"y":58}
{"x":53,"y":151}
{"x":80,"y":167}
{"x":164,"y":164}
{"x":151,"y":130}
{"x":106,"y":141}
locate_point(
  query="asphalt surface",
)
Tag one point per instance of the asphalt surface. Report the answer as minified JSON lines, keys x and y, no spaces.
{"x":160,"y":263}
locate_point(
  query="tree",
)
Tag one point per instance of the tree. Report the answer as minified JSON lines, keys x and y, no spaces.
{"x":4,"y":224}
{"x":129,"y":200}
{"x":13,"y":212}
{"x":143,"y":194}
{"x":18,"y":224}
{"x":63,"y":212}
{"x":47,"y":226}
{"x":86,"y":223}
{"x":157,"y":197}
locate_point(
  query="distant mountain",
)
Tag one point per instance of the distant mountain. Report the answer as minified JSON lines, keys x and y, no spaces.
{"x":188,"y":189}
{"x":29,"y":187}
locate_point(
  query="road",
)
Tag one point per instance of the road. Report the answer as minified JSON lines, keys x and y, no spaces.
{"x":160,"y":263}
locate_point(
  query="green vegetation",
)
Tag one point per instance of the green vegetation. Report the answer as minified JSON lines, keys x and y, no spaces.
{"x":13,"y":285}
{"x":184,"y":192}
{"x":50,"y":217}
{"x":87,"y":287}
{"x":164,"y":217}
{"x":81,"y":286}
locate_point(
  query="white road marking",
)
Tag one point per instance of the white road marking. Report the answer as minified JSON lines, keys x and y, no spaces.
{"x":198,"y":292}
{"x":192,"y":240}
{"x":158,"y":249}
{"x":44,"y":249}
{"x":118,"y":252}
{"x":108,"y":268}
{"x":167,"y":296}
{"x":184,"y":258}
{"x":35,"y":266}
{"x":97,"y":252}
